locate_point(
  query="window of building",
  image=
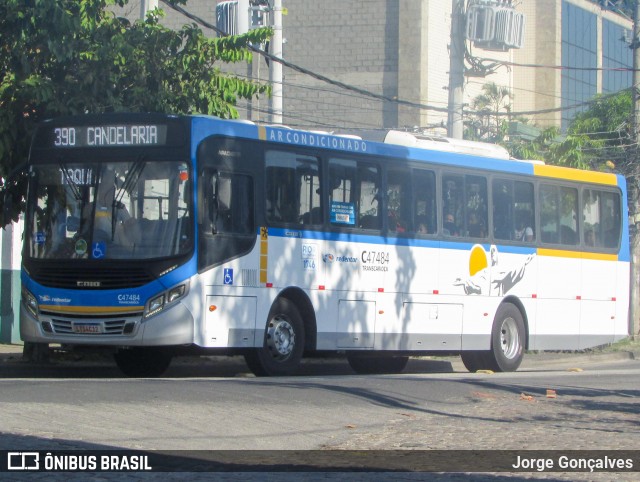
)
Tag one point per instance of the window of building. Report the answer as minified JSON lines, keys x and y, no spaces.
{"x":579,"y":50}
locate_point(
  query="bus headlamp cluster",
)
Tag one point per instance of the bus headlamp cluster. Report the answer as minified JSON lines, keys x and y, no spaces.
{"x":165,"y":299}
{"x":30,"y":302}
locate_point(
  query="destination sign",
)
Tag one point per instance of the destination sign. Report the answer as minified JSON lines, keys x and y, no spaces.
{"x":110,"y":136}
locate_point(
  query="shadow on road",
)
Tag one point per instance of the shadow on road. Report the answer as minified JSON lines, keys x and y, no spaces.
{"x":187,"y":367}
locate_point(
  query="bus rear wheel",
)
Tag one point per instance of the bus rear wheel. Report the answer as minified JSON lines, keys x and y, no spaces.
{"x":283,"y":345}
{"x":371,"y":365}
{"x":143,"y":362}
{"x":507,"y":343}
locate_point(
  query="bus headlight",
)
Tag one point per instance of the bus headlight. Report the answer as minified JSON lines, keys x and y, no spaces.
{"x":164,"y":299}
{"x":155,"y":305}
{"x":30,"y":302}
{"x":175,"y":293}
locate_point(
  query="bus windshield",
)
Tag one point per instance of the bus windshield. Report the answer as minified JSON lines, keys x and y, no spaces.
{"x":109,"y":210}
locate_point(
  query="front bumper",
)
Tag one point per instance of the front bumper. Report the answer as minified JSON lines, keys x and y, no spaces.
{"x":173,"y":326}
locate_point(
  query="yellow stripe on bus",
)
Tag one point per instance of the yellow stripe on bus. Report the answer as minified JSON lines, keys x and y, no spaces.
{"x":91,"y":309}
{"x":563,"y":253}
{"x":262,"y":133}
{"x":575,"y":174}
{"x":264,"y":254}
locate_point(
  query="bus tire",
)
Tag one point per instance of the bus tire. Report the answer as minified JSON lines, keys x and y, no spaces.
{"x":507,"y":343}
{"x":283,"y":345}
{"x":507,"y":339}
{"x":473,"y":360}
{"x":372,"y":365}
{"x":143,"y":362}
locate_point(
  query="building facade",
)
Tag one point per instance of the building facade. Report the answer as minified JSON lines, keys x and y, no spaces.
{"x":399,"y":49}
{"x":578,"y":50}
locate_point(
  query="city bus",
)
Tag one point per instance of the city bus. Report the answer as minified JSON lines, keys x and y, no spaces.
{"x":158,"y":235}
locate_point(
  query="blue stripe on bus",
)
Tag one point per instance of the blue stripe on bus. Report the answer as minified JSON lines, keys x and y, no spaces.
{"x":393,"y":241}
{"x":79,"y":297}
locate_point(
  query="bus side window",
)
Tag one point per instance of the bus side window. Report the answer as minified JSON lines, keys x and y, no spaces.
{"x":398,"y":201}
{"x":354,"y":193}
{"x":231,"y":209}
{"x":503,"y":221}
{"x":558,"y":214}
{"x":569,"y":216}
{"x":601,"y":219}
{"x":452,"y":204}
{"x":513,"y":211}
{"x":424,"y":202}
{"x":369,"y":199}
{"x":293,"y":188}
{"x":476,"y":206}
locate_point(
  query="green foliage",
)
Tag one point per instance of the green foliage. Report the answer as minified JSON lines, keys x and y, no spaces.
{"x":598,"y":138}
{"x":487,"y":123}
{"x":537,"y":149}
{"x":62,"y":57}
{"x":602,"y":133}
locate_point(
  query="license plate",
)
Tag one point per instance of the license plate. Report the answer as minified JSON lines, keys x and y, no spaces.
{"x":87,"y":328}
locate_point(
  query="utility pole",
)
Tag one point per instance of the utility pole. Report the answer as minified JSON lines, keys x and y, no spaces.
{"x":634,"y":184}
{"x":275,"y":68}
{"x":456,"y":70}
{"x":145,"y":6}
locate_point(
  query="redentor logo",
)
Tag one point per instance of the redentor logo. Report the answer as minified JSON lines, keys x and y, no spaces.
{"x":23,"y":461}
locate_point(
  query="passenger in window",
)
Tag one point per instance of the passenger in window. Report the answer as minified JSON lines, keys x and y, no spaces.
{"x":524,"y":231}
{"x":476,"y":228}
{"x":421,"y":225}
{"x":589,"y":238}
{"x":450,"y":227}
{"x":395,"y":223}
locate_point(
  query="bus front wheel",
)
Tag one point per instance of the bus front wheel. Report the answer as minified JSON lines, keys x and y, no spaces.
{"x":507,"y":343}
{"x":142,"y":362}
{"x":283,"y":344}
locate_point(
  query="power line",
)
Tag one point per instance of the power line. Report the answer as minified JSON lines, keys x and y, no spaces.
{"x":367,"y":93}
{"x":507,"y":63}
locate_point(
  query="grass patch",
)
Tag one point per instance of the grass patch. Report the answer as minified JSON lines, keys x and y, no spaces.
{"x":628,"y":344}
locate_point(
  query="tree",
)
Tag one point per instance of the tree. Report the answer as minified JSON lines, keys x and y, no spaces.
{"x":602,"y":138}
{"x":62,"y":57}
{"x":487,"y":123}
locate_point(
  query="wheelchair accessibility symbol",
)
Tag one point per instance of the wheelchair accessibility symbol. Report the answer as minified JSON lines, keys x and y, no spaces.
{"x":98,"y":250}
{"x":228,"y":276}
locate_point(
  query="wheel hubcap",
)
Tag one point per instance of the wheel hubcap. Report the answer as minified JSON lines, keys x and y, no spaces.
{"x":281,"y":338}
{"x":509,"y":339}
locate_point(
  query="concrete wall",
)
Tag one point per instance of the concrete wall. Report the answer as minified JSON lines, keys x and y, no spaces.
{"x":395,"y":48}
{"x":10,"y":246}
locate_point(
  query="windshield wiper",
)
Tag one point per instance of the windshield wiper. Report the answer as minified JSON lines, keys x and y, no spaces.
{"x":131,"y":178}
{"x":75,"y":190}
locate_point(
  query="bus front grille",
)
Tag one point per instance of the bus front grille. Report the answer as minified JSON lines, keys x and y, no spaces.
{"x":92,"y":278}
{"x":111,"y":327}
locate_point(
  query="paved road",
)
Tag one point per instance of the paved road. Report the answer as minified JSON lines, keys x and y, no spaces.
{"x":84,"y":404}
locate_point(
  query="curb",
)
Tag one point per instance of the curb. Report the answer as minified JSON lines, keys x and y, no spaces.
{"x":13,"y":354}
